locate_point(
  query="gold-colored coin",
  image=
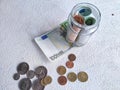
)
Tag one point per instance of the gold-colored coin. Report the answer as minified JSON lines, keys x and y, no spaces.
{"x":61,"y":70}
{"x":47,"y":80}
{"x":82,"y":76}
{"x":72,"y":76}
{"x":42,"y":82}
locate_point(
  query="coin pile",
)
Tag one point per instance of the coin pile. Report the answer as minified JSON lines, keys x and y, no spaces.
{"x":69,"y":63}
{"x":25,"y":83}
{"x":61,"y":70}
{"x":71,"y":76}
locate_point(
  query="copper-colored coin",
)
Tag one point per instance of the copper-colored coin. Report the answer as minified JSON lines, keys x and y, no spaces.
{"x":82,"y":76}
{"x":71,"y":57}
{"x":61,"y":70}
{"x":42,"y":82}
{"x":62,"y":80}
{"x":72,"y":77}
{"x":69,"y":64}
{"x":79,"y":19}
{"x":47,"y":80}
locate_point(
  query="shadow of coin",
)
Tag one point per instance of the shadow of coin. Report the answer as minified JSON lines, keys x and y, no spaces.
{"x":37,"y":85}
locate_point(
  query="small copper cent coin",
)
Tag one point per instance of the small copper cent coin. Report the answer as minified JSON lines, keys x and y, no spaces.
{"x":30,"y":74}
{"x":61,"y":70}
{"x":22,"y":68}
{"x":71,"y":57}
{"x":69,"y":64}
{"x":47,"y":80}
{"x":82,"y":76}
{"x":41,"y":72}
{"x":62,"y":80}
{"x":72,"y":76}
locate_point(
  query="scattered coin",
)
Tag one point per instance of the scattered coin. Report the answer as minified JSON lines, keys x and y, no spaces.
{"x":79,"y":19}
{"x":62,"y":80}
{"x":42,"y":82}
{"x":69,"y":64}
{"x":30,"y":74}
{"x":25,"y":84}
{"x":61,"y":70}
{"x":22,"y":68}
{"x":47,"y":80}
{"x":71,"y":57}
{"x":16,"y":76}
{"x":72,"y":77}
{"x":37,"y":85}
{"x":41,"y":72}
{"x":82,"y":76}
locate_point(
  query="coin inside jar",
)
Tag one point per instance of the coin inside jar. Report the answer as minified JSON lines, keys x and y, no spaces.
{"x":79,"y":19}
{"x":61,"y":70}
{"x":30,"y":74}
{"x":22,"y":68}
{"x":47,"y":80}
{"x":69,"y":64}
{"x":82,"y":76}
{"x":71,"y":57}
{"x":62,"y":80}
{"x":72,"y":77}
{"x":41,"y":72}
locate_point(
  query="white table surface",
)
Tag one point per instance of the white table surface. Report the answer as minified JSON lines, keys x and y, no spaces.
{"x":22,"y":20}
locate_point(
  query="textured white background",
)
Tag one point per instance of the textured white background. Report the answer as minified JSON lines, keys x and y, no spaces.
{"x":23,"y":20}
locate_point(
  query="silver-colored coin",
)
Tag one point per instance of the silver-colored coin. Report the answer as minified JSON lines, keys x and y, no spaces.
{"x":22,"y":68}
{"x":41,"y":72}
{"x":30,"y":74}
{"x":37,"y":85}
{"x":25,"y":84}
{"x":16,"y":76}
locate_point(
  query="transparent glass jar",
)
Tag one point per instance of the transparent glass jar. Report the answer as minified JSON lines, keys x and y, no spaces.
{"x":83,"y":21}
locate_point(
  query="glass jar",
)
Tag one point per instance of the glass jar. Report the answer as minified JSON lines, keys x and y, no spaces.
{"x":83,"y":21}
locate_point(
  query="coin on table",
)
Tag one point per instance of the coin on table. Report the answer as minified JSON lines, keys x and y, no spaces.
{"x":41,"y":72}
{"x":47,"y":80}
{"x":69,"y":64}
{"x":37,"y":85}
{"x":82,"y":76}
{"x":25,"y":84}
{"x":30,"y":74}
{"x":62,"y":80}
{"x":22,"y":68}
{"x":16,"y":76}
{"x":42,"y":82}
{"x":71,"y":57}
{"x":72,"y":76}
{"x":61,"y":70}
